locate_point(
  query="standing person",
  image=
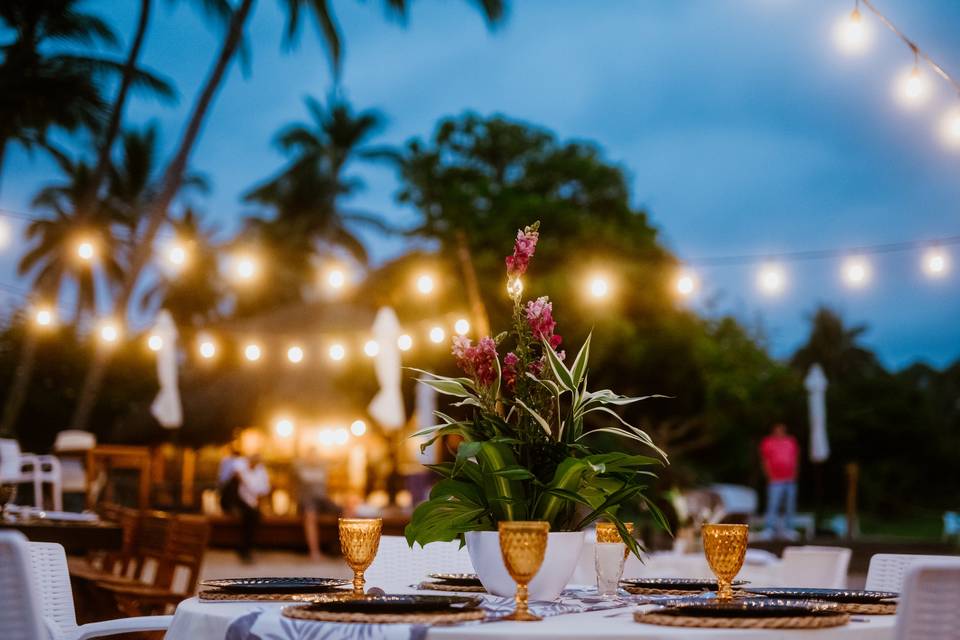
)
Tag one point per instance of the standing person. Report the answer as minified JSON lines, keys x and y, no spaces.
{"x":246,"y":482}
{"x":312,"y":478}
{"x":780,"y":454}
{"x":227,"y":481}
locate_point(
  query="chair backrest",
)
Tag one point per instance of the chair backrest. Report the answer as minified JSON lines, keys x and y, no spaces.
{"x":186,"y":545}
{"x":51,"y":580}
{"x":928,"y":608}
{"x":9,"y":460}
{"x":824,"y":567}
{"x":887,"y":570}
{"x":20,"y":617}
{"x":74,"y":440}
{"x":397,"y":566}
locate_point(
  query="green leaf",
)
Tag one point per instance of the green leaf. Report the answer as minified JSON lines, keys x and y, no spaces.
{"x":579,"y":367}
{"x":560,"y":371}
{"x":536,"y":416}
{"x":447,"y":387}
{"x":515,"y":472}
{"x":567,"y":477}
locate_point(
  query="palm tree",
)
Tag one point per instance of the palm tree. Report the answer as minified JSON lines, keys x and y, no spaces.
{"x":836,"y":347}
{"x":40,"y":90}
{"x":493,"y":11}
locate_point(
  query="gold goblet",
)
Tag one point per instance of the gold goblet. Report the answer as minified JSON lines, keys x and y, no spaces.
{"x":608,"y":532}
{"x":725,"y":546}
{"x":523,"y":545}
{"x":359,"y":540}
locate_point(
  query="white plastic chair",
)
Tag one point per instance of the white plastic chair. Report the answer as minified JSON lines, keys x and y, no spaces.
{"x":888,"y":570}
{"x":19,"y":467}
{"x":397,"y":566}
{"x":928,"y":608}
{"x":51,"y":581}
{"x":823,"y":567}
{"x":20,"y":613}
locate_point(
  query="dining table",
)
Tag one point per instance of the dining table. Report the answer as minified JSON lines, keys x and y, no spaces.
{"x":76,"y":537}
{"x":615,"y":621}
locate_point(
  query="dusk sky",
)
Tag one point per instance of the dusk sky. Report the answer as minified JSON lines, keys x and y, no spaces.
{"x":744,"y":131}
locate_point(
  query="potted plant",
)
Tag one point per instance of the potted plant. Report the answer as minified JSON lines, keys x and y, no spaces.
{"x":529,"y":448}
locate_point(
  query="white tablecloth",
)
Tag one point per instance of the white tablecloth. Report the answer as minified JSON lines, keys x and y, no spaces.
{"x":231,"y":621}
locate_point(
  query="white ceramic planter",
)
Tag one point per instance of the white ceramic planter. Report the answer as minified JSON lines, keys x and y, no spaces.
{"x":559,"y":563}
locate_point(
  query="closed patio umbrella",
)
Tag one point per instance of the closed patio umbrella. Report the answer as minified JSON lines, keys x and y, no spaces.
{"x":816,"y":385}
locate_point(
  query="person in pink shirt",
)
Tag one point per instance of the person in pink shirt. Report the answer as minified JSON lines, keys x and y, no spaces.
{"x":780,"y":454}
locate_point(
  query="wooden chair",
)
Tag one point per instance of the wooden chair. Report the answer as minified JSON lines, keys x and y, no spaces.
{"x":103,"y":565}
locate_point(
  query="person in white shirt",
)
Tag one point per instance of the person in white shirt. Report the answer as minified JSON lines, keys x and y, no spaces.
{"x":251,"y":482}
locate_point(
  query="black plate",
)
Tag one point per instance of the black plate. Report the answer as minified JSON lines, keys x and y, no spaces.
{"x":275,"y":585}
{"x":747,"y":608}
{"x":849,"y":596}
{"x":676,"y":584}
{"x":462,"y":579}
{"x":394,"y":604}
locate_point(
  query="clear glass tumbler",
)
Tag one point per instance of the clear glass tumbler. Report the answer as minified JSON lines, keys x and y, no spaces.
{"x":610,"y":558}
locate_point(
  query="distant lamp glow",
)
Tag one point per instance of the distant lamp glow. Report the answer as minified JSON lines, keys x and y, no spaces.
{"x":252,"y":352}
{"x":950,"y":128}
{"x":599,"y":287}
{"x":856,"y":272}
{"x":337,"y":352}
{"x":325,"y":437}
{"x":404,"y":342}
{"x":772,"y":280}
{"x":913,"y":88}
{"x":176,"y":255}
{"x":462,"y":326}
{"x":437,"y":334}
{"x":935,"y":263}
{"x":425,"y":284}
{"x":852,"y":34}
{"x":85,"y":250}
{"x":108,"y":331}
{"x":371,"y":348}
{"x":44,"y":317}
{"x":358,"y":428}
{"x":154,"y":342}
{"x":295,"y":354}
{"x":340,"y":436}
{"x":336,"y":278}
{"x":207,"y":348}
{"x":5,"y":233}
{"x":686,"y":284}
{"x":245,"y":268}
{"x":283,"y":427}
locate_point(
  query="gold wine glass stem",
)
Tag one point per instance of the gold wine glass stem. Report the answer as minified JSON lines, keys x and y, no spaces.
{"x":724,"y":589}
{"x":521,"y":600}
{"x":358,"y":582}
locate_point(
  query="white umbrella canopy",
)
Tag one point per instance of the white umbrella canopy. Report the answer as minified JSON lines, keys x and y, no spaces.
{"x":387,"y":406}
{"x":816,"y":385}
{"x":166,"y":406}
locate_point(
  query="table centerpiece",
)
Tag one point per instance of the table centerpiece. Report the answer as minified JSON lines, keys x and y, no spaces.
{"x":529,"y":448}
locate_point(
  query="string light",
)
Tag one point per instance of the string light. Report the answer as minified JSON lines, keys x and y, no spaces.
{"x":44,"y":317}
{"x":85,"y":250}
{"x":685,"y":284}
{"x":404,"y":342}
{"x":176,"y":254}
{"x":437,"y":335}
{"x":207,"y":348}
{"x":109,"y":331}
{"x":913,"y":87}
{"x":252,"y":352}
{"x":340,"y":436}
{"x":295,"y":354}
{"x":283,"y":427}
{"x":154,"y":342}
{"x":337,"y":352}
{"x":950,"y":128}
{"x":462,"y":326}
{"x":935,"y":263}
{"x":245,"y":268}
{"x":856,"y":271}
{"x":514,"y":288}
{"x":851,"y":33}
{"x":371,"y":348}
{"x":599,"y":287}
{"x":358,"y":428}
{"x":425,"y":284}
{"x":772,"y":279}
{"x":336,"y":278}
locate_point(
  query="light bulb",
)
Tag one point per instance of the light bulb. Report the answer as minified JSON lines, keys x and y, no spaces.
{"x":154,"y":342}
{"x":425,"y":284}
{"x":109,"y":331}
{"x":950,"y":128}
{"x":686,"y":284}
{"x":936,"y":263}
{"x":295,"y":354}
{"x":856,"y":271}
{"x":245,"y":268}
{"x":336,"y":278}
{"x":283,"y":427}
{"x":599,"y":287}
{"x":371,"y":348}
{"x":252,"y":352}
{"x":176,"y":255}
{"x":44,"y":317}
{"x":340,"y":435}
{"x":771,"y":279}
{"x":85,"y":250}
{"x":462,"y":326}
{"x":337,"y":352}
{"x":358,"y":428}
{"x":437,"y":334}
{"x":207,"y":348}
{"x":404,"y":342}
{"x":913,"y":88}
{"x":852,"y":34}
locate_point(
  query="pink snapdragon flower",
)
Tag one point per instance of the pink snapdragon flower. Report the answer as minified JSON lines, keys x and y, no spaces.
{"x":477,"y":361}
{"x":523,"y":250}
{"x":510,"y":362}
{"x":540,"y":318}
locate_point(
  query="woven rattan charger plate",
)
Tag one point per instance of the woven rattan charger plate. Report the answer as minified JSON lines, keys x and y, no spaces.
{"x":787,"y":622}
{"x":640,"y":591}
{"x":878,"y":609}
{"x":219,"y":595}
{"x":429,"y":585}
{"x":303,"y":612}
